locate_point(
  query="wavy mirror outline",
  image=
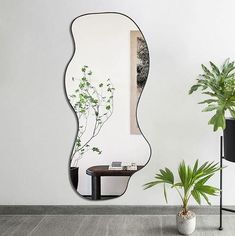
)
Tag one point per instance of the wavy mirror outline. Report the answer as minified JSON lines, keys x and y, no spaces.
{"x":75,"y":114}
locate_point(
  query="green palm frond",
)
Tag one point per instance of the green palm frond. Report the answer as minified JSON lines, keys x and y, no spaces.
{"x":165,"y":176}
{"x":192,"y":180}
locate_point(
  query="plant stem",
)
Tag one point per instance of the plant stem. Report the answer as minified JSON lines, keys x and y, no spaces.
{"x":179,"y":193}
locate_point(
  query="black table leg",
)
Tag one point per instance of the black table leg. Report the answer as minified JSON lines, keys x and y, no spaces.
{"x":96,"y":188}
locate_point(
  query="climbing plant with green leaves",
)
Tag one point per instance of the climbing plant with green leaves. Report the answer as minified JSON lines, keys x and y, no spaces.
{"x":93,"y":105}
{"x":219,"y":84}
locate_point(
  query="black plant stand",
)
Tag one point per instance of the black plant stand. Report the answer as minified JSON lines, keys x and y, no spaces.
{"x":221,"y":186}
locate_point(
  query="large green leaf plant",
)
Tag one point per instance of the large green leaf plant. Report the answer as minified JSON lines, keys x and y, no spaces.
{"x":192,"y":182}
{"x":219,"y":84}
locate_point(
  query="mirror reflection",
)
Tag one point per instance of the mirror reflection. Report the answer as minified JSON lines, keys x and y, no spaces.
{"x":104,"y":81}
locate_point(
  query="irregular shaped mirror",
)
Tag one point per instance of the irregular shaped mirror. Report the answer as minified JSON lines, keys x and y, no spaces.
{"x":104,"y":81}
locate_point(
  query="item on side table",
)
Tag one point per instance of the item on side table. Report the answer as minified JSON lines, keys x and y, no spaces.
{"x":132,"y":166}
{"x":116,"y":165}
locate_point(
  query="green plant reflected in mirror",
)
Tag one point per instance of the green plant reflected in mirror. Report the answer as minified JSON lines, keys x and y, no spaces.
{"x":104,"y":81}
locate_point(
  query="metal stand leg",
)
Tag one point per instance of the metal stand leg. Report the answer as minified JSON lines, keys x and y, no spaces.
{"x":221,"y":183}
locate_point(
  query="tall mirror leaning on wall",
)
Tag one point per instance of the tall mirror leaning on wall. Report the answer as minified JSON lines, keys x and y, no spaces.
{"x":104,"y":81}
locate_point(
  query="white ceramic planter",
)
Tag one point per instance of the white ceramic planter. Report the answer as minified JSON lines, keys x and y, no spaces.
{"x":186,"y":224}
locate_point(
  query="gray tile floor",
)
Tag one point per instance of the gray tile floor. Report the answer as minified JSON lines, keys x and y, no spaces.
{"x":108,"y":225}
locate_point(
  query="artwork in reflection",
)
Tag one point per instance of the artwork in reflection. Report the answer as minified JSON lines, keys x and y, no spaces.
{"x":103,"y":82}
{"x":139,"y":74}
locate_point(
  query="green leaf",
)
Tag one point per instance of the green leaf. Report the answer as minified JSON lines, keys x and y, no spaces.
{"x":195,"y":167}
{"x":194,"y":88}
{"x":218,"y":120}
{"x":177,"y":185}
{"x":206,"y":198}
{"x":208,"y":101}
{"x":166,"y":175}
{"x":205,"y":179}
{"x":215,"y":68}
{"x":108,"y":107}
{"x":95,"y":149}
{"x":206,"y":70}
{"x":196,"y":196}
{"x":209,"y":93}
{"x":225,"y":64}
{"x":151,"y":184}
{"x":207,"y":189}
{"x":210,"y":108}
{"x":182,"y":172}
{"x":170,"y":176}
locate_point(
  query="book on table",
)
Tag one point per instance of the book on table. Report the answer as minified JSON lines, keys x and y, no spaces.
{"x":116,"y":165}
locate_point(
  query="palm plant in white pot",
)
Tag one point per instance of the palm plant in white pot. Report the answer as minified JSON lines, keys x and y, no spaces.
{"x":192,"y":183}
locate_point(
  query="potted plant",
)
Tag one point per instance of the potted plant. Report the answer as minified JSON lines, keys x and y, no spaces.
{"x":93,"y":104}
{"x":191,"y":183}
{"x":219,"y":84}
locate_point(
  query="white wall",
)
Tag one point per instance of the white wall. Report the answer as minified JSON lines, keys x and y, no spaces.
{"x":37,"y":126}
{"x":103,"y":43}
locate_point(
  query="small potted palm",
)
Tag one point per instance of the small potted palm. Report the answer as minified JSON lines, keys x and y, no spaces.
{"x":219,"y":84}
{"x":192,"y":183}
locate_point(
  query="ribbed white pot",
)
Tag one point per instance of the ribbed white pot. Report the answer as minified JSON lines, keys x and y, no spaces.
{"x":186,"y":223}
